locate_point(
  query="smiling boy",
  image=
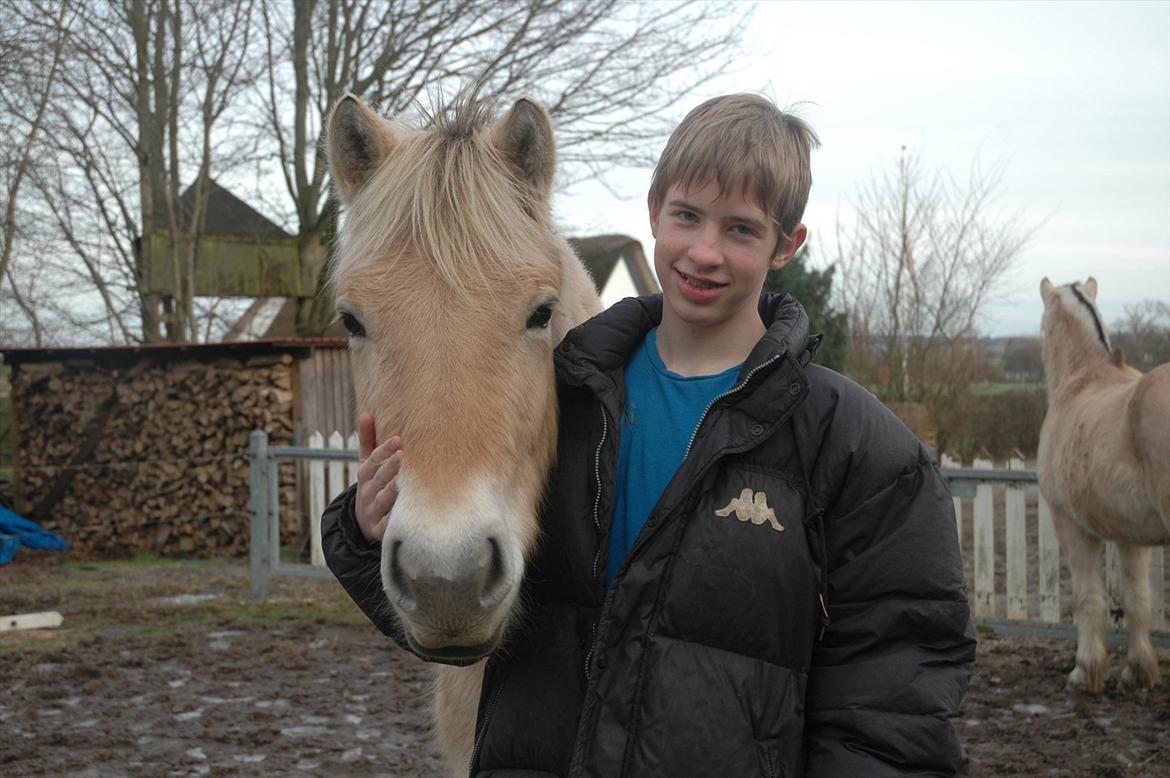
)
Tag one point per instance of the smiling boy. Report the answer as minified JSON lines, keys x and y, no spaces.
{"x":748,"y":565}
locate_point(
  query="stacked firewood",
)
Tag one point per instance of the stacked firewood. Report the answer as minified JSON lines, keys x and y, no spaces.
{"x":151,"y":457}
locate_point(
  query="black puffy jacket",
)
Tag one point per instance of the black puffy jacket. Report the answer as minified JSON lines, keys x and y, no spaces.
{"x":794,"y":605}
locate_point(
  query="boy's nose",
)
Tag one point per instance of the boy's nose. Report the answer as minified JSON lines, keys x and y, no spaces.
{"x":705,"y":250}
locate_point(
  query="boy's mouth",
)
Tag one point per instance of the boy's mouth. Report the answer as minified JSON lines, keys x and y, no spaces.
{"x":699,"y":283}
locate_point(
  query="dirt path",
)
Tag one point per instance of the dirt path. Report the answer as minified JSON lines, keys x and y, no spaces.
{"x":165,"y":668}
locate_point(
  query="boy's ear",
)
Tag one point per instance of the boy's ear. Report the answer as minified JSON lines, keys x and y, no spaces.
{"x":787,"y":249}
{"x":653,"y":206}
{"x":359,"y":140}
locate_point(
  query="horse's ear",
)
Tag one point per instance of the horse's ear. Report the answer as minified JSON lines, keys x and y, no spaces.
{"x":1091,"y":288}
{"x":525,"y":138}
{"x":359,"y":140}
{"x":1046,"y":289}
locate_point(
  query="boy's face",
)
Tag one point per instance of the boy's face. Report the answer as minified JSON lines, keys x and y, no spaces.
{"x":712,"y":253}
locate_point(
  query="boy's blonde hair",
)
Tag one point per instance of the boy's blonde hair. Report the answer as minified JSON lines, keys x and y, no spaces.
{"x":743,"y":141}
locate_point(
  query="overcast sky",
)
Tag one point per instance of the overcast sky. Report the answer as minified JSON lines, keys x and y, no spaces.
{"x":1072,"y":98}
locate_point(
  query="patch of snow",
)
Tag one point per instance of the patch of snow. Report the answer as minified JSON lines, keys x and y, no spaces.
{"x":190,"y":715}
{"x":219,"y":645}
{"x":251,"y":758}
{"x":175,"y":684}
{"x":352,"y":719}
{"x":1031,"y":709}
{"x":197,"y":753}
{"x":352,"y":754}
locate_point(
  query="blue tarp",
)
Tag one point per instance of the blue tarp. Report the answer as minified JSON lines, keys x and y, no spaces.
{"x":17,"y":531}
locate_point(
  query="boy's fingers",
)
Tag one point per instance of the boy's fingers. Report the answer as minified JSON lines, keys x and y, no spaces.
{"x":384,"y":501}
{"x":370,"y":466}
{"x":367,"y":436}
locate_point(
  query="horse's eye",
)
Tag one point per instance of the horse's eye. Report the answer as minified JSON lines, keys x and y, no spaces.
{"x":352,"y":325}
{"x":540,"y":317}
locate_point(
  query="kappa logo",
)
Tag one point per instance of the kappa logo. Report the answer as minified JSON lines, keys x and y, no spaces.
{"x":751,"y":506}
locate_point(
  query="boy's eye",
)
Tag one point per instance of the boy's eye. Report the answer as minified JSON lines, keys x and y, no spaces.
{"x":742,"y":229}
{"x":688,"y":216}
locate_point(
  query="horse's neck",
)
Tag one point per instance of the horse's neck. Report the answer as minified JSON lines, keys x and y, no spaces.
{"x":578,"y":293}
{"x":1070,"y":356}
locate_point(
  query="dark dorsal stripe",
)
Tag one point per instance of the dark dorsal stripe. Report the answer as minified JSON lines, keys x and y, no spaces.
{"x":1076,"y":288}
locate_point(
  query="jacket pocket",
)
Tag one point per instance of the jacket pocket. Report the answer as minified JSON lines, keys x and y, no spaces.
{"x":706,"y":711}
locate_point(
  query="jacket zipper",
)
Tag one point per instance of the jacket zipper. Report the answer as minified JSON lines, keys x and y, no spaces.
{"x":479,"y":738}
{"x":730,"y":391}
{"x":597,"y":479}
{"x":597,"y":525}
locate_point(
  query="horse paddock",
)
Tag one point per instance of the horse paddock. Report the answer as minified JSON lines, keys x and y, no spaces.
{"x":166,"y":668}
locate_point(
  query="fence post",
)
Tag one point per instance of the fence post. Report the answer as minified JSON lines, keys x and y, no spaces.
{"x":317,"y":501}
{"x":259,"y":548}
{"x":984,"y":546}
{"x":1049,"y":558}
{"x":1114,"y":597}
{"x":1015,"y":547}
{"x":1158,"y":588}
{"x":947,"y":462}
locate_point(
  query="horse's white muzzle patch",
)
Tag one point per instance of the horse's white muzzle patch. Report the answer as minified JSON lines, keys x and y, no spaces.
{"x":451,"y":568}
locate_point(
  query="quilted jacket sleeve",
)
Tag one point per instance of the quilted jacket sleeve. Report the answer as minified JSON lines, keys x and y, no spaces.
{"x":356,"y":562}
{"x":894,"y":663}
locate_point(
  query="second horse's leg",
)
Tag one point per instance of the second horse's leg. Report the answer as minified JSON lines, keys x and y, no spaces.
{"x":1084,"y":564}
{"x":1141,"y":662}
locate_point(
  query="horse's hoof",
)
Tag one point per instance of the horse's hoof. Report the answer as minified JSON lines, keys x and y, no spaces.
{"x":1140,"y":677}
{"x":1081,"y":681}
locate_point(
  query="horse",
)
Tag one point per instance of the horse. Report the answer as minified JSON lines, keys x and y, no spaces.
{"x":455,"y":286}
{"x":1104,"y":470}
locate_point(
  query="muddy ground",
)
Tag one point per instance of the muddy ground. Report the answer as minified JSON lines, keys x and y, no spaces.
{"x":165,"y":668}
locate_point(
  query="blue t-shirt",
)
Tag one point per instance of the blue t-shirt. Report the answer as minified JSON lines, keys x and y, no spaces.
{"x":660,"y":414}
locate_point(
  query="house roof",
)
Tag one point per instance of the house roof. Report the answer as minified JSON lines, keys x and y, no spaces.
{"x":224,"y":214}
{"x":601,"y":253}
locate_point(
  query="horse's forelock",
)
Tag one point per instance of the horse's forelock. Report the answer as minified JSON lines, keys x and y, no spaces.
{"x":445,"y":196}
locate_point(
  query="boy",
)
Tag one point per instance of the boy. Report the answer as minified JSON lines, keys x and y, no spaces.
{"x":758,"y":574}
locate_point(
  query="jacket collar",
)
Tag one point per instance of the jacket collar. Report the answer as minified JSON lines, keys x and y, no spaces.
{"x":605,"y":343}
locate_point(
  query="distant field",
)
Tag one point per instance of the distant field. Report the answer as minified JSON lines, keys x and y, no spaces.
{"x":994,"y":389}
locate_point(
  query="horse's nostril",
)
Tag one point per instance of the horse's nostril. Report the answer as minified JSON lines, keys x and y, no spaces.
{"x":493,"y":584}
{"x":403,"y":594}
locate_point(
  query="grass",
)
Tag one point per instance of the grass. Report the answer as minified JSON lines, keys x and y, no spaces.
{"x":128,"y":600}
{"x":990,"y":389}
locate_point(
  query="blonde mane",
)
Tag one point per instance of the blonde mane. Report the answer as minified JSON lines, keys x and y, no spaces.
{"x":446,"y":196}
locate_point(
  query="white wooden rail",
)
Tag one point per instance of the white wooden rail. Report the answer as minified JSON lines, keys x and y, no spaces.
{"x":1026,"y":590}
{"x":1030,"y":598}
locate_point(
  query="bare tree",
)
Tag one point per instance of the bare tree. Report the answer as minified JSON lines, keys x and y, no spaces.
{"x":143,"y":86}
{"x":1143,"y":334}
{"x":29,"y":64}
{"x":609,"y":71}
{"x":919,"y":264}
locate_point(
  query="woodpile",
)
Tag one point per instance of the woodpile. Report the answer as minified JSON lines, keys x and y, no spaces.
{"x":151,"y":457}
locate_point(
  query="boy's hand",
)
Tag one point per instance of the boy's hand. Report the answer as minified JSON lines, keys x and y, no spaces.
{"x":377,"y":483}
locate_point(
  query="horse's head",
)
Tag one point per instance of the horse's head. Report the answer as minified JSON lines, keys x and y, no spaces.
{"x":1072,"y":327}
{"x":455,"y":287}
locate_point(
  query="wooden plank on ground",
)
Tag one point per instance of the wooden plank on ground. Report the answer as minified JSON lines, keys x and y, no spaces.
{"x":41,"y":620}
{"x":984,"y":546}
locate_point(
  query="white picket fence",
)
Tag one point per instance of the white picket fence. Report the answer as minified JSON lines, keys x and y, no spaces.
{"x":327,"y":479}
{"x":1014,"y":563}
{"x":1011,"y":554}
